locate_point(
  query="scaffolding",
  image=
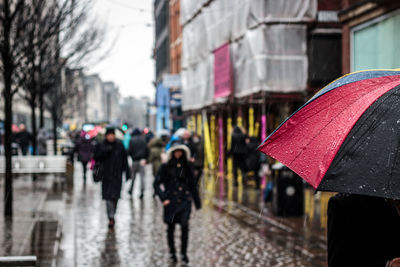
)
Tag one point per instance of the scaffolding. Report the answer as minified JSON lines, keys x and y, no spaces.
{"x":267,"y":45}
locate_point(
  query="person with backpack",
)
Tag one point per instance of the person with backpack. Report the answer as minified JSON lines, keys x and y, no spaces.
{"x":176,"y":187}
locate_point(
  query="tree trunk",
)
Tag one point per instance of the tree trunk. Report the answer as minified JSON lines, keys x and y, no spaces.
{"x":34,"y":127}
{"x":8,"y":188}
{"x":55,"y":135}
{"x":41,"y":109}
{"x":8,"y":69}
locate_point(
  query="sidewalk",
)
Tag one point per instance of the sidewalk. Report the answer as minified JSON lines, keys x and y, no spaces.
{"x":246,"y":204}
{"x":30,"y":232}
{"x":29,"y":198}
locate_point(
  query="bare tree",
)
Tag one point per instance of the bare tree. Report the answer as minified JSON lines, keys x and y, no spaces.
{"x":76,"y":45}
{"x":57,"y":27}
{"x":33,"y":35}
{"x":13,"y":22}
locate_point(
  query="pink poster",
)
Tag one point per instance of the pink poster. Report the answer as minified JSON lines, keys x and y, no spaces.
{"x":222,"y":72}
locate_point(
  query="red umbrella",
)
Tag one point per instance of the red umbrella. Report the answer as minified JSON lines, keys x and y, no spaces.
{"x":14,"y":128}
{"x":323,"y":138}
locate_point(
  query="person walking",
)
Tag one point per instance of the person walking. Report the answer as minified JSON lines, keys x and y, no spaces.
{"x":188,"y":141}
{"x":176,"y":187}
{"x":112,"y":157}
{"x":156,"y":147}
{"x":139,"y":153}
{"x":84,"y":148}
{"x":238,"y":151}
{"x":253,"y":160}
{"x":42,"y":142}
{"x":23,"y":139}
{"x":198,"y":157}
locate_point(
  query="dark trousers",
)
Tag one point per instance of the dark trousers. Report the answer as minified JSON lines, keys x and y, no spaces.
{"x":84,"y":165}
{"x":184,"y":237}
{"x":24,"y":150}
{"x":239,"y":162}
{"x":198,"y":171}
{"x":111,"y":205}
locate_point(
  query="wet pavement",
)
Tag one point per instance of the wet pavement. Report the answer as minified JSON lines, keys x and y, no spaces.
{"x":29,"y":199}
{"x":224,"y":233}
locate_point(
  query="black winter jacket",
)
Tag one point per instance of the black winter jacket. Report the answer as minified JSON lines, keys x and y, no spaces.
{"x":114,"y":160}
{"x":180,"y":189}
{"x":138,"y":149}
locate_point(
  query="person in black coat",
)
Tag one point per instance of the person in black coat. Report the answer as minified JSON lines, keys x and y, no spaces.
{"x":363,"y":231}
{"x":112,"y":156}
{"x":253,"y":159}
{"x":84,"y":148}
{"x":176,"y":177}
{"x":238,"y":151}
{"x":23,"y":139}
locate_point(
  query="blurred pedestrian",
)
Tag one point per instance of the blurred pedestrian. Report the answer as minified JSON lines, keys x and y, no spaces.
{"x":139,"y":153}
{"x":238,"y":152}
{"x":84,"y":148}
{"x":113,"y":159}
{"x":187,"y":141}
{"x":42,"y":142}
{"x":363,"y":231}
{"x":23,"y":139}
{"x":156,"y":147}
{"x":253,"y":160}
{"x":149,"y":135}
{"x":176,"y":187}
{"x":198,"y":157}
{"x":127,"y":139}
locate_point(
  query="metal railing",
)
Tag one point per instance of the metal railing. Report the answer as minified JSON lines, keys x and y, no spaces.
{"x":36,"y":164}
{"x":18,"y":261}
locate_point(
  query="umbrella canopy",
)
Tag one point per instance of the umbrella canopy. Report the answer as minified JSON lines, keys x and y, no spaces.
{"x":347,"y":137}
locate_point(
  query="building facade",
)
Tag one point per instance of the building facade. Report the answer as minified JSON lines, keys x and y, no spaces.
{"x":252,"y":63}
{"x":162,"y":61}
{"x":134,"y":112}
{"x":112,"y":106}
{"x":75,"y":109}
{"x":371,"y":34}
{"x":95,"y":99}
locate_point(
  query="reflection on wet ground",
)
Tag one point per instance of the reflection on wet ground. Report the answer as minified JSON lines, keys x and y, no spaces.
{"x":29,"y":198}
{"x":223,"y":233}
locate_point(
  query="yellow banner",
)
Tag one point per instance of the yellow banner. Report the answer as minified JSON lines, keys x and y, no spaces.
{"x":207,"y":142}
{"x":251,"y":121}
{"x":228,"y":145}
{"x":257,"y":129}
{"x":199,"y":125}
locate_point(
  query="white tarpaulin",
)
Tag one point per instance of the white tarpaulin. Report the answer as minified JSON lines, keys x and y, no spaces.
{"x":197,"y":85}
{"x":271,"y":58}
{"x":266,"y":56}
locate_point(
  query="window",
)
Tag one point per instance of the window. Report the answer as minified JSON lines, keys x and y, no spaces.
{"x":375,"y":44}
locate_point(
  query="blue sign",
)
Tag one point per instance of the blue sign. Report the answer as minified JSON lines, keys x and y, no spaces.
{"x":162,"y":96}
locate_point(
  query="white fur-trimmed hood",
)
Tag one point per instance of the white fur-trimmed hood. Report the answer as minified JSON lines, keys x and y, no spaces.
{"x":182,"y":147}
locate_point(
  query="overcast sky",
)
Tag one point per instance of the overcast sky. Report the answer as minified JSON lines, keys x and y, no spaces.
{"x":129,"y":65}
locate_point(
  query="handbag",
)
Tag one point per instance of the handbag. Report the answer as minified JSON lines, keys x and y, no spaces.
{"x":98,"y":172}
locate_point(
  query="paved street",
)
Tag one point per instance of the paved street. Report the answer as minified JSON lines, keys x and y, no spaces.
{"x":218,"y":237}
